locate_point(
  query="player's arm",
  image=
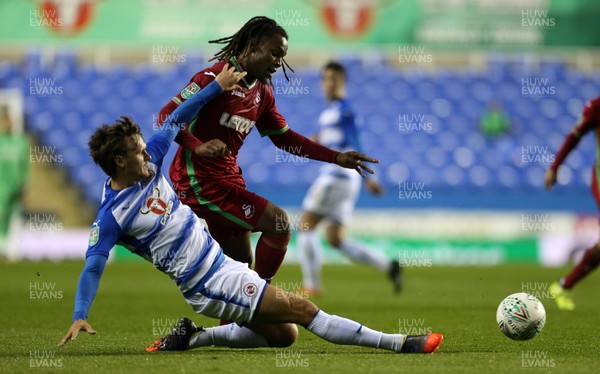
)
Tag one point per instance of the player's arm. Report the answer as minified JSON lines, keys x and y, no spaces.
{"x":273,"y":125}
{"x":159,"y":144}
{"x":184,"y":137}
{"x":583,"y":126}
{"x":292,"y":142}
{"x":86,"y":291}
{"x":103,"y":237}
{"x":351,"y":136}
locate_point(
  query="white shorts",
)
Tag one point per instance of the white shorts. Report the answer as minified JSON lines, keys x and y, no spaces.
{"x":333,"y":197}
{"x":234,"y":292}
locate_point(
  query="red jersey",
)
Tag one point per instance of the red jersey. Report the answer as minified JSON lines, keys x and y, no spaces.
{"x":229,"y":117}
{"x":590,"y":120}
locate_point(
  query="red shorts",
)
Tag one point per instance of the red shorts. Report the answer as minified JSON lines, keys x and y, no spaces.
{"x":228,"y":208}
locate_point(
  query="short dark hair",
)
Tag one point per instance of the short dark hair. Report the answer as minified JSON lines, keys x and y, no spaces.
{"x":111,"y":140}
{"x":257,"y":28}
{"x":335,"y":66}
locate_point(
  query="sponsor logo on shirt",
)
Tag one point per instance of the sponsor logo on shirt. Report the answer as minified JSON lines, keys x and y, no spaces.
{"x":238,"y":93}
{"x":157,"y":206}
{"x":237,"y":123}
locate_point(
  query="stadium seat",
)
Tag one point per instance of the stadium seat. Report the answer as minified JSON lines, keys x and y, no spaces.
{"x":450,"y":152}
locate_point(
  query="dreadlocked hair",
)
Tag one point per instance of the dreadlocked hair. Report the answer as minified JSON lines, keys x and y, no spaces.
{"x":256,"y":28}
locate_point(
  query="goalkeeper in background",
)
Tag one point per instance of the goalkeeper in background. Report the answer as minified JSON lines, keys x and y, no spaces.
{"x":14,"y":168}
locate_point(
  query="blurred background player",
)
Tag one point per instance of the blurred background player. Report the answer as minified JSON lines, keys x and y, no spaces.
{"x":205,"y":170}
{"x":334,"y":193}
{"x":14,"y":168}
{"x":589,"y":121}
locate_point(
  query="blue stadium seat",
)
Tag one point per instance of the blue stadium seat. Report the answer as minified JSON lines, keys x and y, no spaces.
{"x":450,"y":152}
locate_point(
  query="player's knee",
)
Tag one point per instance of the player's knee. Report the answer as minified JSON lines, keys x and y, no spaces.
{"x":284,"y":335}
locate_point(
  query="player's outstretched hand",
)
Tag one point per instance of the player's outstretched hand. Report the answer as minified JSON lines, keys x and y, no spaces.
{"x":79,"y":325}
{"x":212,"y":148}
{"x":228,"y":78}
{"x":550,"y":178}
{"x":355,"y":160}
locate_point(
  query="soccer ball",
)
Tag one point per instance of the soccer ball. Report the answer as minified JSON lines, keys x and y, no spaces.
{"x":521,"y":316}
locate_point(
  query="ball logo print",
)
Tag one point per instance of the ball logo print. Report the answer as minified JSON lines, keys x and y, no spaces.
{"x":521,"y":316}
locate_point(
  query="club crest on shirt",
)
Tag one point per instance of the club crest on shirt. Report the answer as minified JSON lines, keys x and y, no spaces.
{"x":157,"y":206}
{"x":250,"y":289}
{"x":189,"y":90}
{"x":248,"y":210}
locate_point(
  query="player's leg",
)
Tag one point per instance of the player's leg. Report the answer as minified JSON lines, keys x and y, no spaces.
{"x":314,"y":207}
{"x":590,"y":261}
{"x":561,"y":290}
{"x":322,"y":200}
{"x":362,"y":253}
{"x":309,"y":252}
{"x":233,"y":292}
{"x":215,"y":204}
{"x":279,"y":306}
{"x":257,"y":335}
{"x":269,"y":328}
{"x":272,"y":245}
{"x":356,"y":250}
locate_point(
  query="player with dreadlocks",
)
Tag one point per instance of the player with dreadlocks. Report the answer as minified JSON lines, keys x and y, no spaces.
{"x":205,"y":172}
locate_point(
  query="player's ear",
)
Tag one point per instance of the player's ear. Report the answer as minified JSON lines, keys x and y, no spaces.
{"x":120,"y":161}
{"x":252,"y":46}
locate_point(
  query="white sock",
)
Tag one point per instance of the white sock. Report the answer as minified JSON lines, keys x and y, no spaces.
{"x":231,"y":335}
{"x":309,"y":255}
{"x":340,"y":330}
{"x":362,"y":253}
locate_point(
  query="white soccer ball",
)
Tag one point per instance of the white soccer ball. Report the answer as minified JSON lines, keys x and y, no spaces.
{"x":521,"y":316}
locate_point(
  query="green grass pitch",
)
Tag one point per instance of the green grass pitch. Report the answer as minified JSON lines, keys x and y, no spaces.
{"x":135,"y":301}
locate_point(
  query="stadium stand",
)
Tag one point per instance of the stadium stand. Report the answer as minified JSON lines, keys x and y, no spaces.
{"x":443,"y":146}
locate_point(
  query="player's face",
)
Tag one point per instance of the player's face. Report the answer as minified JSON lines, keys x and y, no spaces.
{"x":262,"y":62}
{"x":332,"y":84}
{"x":136,"y":160}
